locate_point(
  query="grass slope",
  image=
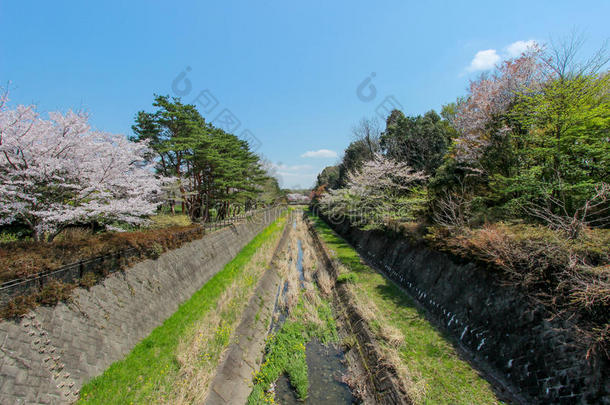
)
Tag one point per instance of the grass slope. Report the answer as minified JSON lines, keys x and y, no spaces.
{"x":436,"y":373}
{"x":152,"y":366}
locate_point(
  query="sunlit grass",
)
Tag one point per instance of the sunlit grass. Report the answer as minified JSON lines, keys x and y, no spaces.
{"x":152,"y":366}
{"x":167,"y":220}
{"x":440,"y":376}
{"x":285,"y":351}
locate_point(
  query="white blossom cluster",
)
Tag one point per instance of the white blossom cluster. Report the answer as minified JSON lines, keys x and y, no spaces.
{"x":55,"y":172}
{"x":379,"y":189}
{"x":380,"y":175}
{"x":489,"y":98}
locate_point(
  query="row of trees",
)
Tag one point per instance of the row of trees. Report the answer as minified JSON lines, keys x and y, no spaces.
{"x":57,"y":172}
{"x":530,"y":140}
{"x":421,"y":142}
{"x":214,"y":170}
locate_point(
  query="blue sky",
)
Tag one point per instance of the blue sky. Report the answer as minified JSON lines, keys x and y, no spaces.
{"x":287,"y":72}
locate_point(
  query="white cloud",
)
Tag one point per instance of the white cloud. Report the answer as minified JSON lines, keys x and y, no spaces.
{"x":322,"y":153}
{"x":281,"y":166}
{"x":484,"y":60}
{"x":294,"y":175}
{"x":517,"y":48}
{"x":489,"y":58}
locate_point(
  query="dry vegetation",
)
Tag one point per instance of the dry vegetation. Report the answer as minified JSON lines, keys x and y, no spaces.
{"x":199,"y":352}
{"x":25,"y":258}
{"x":22,"y":259}
{"x":428,"y":367}
{"x":390,"y":338}
{"x":571,"y":277}
{"x":308,"y":316}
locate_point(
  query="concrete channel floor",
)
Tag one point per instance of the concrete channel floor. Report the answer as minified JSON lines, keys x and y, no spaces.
{"x":232,"y":383}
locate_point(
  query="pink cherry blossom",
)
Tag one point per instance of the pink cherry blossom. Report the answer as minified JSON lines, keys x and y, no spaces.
{"x":56,"y":172}
{"x":489,"y":98}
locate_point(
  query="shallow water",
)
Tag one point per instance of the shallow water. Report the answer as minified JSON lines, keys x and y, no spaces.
{"x":278,"y":318}
{"x":325,"y":365}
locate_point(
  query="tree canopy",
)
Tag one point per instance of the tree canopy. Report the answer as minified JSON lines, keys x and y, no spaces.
{"x":58,"y":172}
{"x":421,"y":142}
{"x":215,"y":171}
{"x":530,"y":140}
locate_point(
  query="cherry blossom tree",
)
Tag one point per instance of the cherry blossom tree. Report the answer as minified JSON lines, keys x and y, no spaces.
{"x":382,"y":175}
{"x":56,"y":172}
{"x":490,"y":97}
{"x":382,"y":188}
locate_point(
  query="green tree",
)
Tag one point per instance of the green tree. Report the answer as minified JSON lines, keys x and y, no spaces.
{"x":329,"y":177}
{"x":564,"y":146}
{"x":354,"y":156}
{"x":216,"y":170}
{"x":421,"y":142}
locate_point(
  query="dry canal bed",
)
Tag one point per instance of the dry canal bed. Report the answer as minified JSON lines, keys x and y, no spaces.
{"x":303,"y":358}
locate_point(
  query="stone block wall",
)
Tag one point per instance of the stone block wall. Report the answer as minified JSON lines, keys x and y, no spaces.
{"x":46,"y":356}
{"x":535,"y":358}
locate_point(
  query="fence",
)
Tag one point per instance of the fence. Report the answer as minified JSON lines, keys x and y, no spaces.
{"x":248,"y":216}
{"x":111,"y":262}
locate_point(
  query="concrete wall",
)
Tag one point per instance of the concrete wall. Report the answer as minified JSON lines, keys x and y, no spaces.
{"x":537,"y":359}
{"x":46,"y":356}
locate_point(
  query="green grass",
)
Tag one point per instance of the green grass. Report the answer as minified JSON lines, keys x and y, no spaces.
{"x":432,"y":361}
{"x":151,"y":367}
{"x":285,"y":351}
{"x":6,"y":237}
{"x":347,"y":278}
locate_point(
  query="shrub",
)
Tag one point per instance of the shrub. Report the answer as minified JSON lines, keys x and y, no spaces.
{"x":55,"y":291}
{"x":24,"y":258}
{"x":6,"y":237}
{"x":74,"y":234}
{"x":569,"y":276}
{"x":18,"y":306}
{"x":88,"y":280}
{"x":155,"y":250}
{"x":347,"y":278}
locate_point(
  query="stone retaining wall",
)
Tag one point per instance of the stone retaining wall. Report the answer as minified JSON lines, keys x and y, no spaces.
{"x":511,"y":338}
{"x":46,"y":356}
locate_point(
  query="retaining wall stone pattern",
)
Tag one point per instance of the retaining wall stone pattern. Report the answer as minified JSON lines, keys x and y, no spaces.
{"x":46,"y":356}
{"x":535,"y":357}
